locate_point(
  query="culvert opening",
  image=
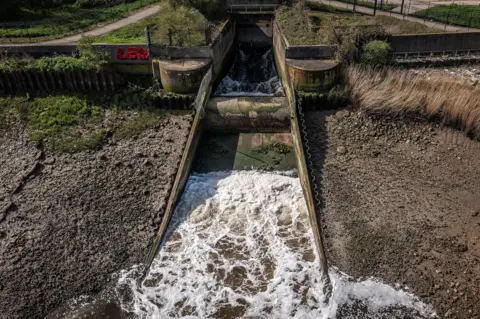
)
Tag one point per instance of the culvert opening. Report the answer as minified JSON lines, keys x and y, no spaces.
{"x":252,"y":73}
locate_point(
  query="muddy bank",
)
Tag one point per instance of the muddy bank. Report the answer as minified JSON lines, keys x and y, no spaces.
{"x":401,"y":202}
{"x":68,"y":222}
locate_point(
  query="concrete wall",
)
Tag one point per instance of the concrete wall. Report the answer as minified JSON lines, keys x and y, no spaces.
{"x":310,"y":52}
{"x":186,"y":162}
{"x":203,"y":52}
{"x":222,"y":48}
{"x":435,"y":42}
{"x":252,"y":5}
{"x":254,"y":30}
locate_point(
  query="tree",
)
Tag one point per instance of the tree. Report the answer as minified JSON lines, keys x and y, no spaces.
{"x":181,"y":25}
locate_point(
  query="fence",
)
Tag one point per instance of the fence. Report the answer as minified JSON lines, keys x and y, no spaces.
{"x":67,"y":20}
{"x":30,"y":81}
{"x":448,"y":17}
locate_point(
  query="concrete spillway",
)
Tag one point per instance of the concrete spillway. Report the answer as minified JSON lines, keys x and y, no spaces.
{"x":240,"y":236}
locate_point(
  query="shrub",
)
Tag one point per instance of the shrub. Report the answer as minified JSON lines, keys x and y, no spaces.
{"x":375,"y":52}
{"x":180,"y":25}
{"x":94,"y":56}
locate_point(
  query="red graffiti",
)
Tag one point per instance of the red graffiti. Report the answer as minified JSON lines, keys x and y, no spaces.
{"x":133,"y":53}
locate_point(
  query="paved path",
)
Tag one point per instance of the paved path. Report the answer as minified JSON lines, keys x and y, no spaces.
{"x":139,"y":15}
{"x":369,"y":11}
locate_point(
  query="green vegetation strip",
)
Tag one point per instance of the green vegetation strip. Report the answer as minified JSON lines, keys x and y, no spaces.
{"x":315,"y":26}
{"x":179,"y":26}
{"x":43,"y":24}
{"x":463,"y":15}
{"x":78,"y":122}
{"x":368,"y":4}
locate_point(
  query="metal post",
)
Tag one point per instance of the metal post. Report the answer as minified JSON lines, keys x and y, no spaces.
{"x":470,"y":21}
{"x":146,"y":31}
{"x":375,"y":8}
{"x":354,"y":5}
{"x":448,"y":17}
{"x":401,"y":8}
{"x":426,"y":14}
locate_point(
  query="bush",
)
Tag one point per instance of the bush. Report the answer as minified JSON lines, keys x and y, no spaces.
{"x":375,"y":53}
{"x":90,"y":58}
{"x":181,"y":25}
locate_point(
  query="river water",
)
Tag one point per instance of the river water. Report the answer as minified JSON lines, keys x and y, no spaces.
{"x":240,"y":246}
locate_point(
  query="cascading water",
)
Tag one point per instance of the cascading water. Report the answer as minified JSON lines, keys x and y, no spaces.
{"x":240,"y":246}
{"x":253,"y":73}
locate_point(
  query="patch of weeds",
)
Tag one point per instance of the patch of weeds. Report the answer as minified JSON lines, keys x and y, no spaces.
{"x":63,"y":122}
{"x":72,"y":144}
{"x":297,"y":28}
{"x":275,"y":147}
{"x":131,"y":124}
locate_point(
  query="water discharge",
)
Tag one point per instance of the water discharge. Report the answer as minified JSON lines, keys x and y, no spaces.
{"x":253,"y":73}
{"x":240,"y":246}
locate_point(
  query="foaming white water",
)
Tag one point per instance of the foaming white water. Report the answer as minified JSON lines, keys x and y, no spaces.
{"x":240,"y":245}
{"x":241,"y":82}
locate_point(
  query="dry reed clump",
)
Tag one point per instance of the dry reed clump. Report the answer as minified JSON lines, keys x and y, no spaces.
{"x":398,"y":92}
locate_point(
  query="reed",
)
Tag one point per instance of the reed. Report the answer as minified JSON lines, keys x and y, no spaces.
{"x":399,"y":92}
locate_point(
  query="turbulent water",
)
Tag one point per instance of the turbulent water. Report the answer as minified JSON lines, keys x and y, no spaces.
{"x":240,"y":246}
{"x":253,"y":73}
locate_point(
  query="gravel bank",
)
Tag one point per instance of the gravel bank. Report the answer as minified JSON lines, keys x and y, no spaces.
{"x":68,"y":222}
{"x":402,"y":203}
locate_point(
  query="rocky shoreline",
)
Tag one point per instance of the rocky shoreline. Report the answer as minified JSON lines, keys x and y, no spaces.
{"x":401,"y":203}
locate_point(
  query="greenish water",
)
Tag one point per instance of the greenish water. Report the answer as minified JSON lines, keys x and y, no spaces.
{"x":245,"y":151}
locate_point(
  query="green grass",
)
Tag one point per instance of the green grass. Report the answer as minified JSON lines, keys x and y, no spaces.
{"x":138,"y":122}
{"x":463,"y":15}
{"x":397,"y":26}
{"x":133,"y":33}
{"x":368,"y":4}
{"x":41,"y":25}
{"x":73,"y":123}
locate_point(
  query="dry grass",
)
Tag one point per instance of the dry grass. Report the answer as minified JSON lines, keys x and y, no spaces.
{"x":398,"y":92}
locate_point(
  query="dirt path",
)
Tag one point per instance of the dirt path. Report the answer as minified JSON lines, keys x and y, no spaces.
{"x":68,"y":222}
{"x":401,"y":203}
{"x":369,"y":11}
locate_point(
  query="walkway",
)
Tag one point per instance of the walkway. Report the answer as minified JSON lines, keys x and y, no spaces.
{"x":101,"y":30}
{"x":369,"y":11}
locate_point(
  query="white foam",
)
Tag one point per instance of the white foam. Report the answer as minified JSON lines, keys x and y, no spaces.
{"x":240,"y":245}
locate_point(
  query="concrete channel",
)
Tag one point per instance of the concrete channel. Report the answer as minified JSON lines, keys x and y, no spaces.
{"x":240,"y":132}
{"x":228,"y":131}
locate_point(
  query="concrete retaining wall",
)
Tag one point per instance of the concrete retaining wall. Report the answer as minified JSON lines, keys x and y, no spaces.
{"x":279,"y":46}
{"x":186,"y":162}
{"x":222,"y":48}
{"x":254,"y":30}
{"x":435,"y":42}
{"x":30,"y":81}
{"x":310,"y":52}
